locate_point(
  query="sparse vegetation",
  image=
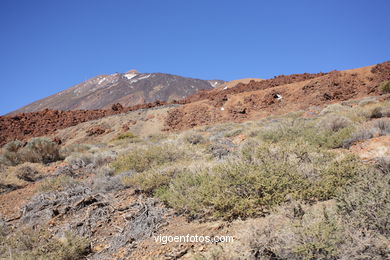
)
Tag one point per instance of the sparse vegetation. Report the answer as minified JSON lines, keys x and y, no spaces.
{"x":304,"y":232}
{"x":331,"y":136}
{"x":66,"y":151}
{"x":149,"y":181}
{"x":385,"y":87}
{"x":27,"y":173}
{"x":143,"y":159}
{"x":42,"y":150}
{"x":383,"y":125}
{"x":91,"y":160}
{"x":11,"y":154}
{"x":193,"y":138}
{"x":40,"y":244}
{"x":38,"y":149}
{"x":57,"y":183}
{"x":366,"y":203}
{"x":302,"y":199}
{"x":264,"y":179}
{"x":376,"y":112}
{"x":378,"y":128}
{"x":335,"y":123}
{"x":127,"y":136}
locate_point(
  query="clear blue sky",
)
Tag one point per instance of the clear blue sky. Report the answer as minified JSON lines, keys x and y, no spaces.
{"x":47,"y":46}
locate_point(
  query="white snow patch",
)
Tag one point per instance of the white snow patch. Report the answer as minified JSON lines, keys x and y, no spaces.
{"x":133,"y":81}
{"x":213,"y":84}
{"x":130,"y":75}
{"x":222,"y":109}
{"x":144,"y":77}
{"x":77,"y":92}
{"x":138,"y":78}
{"x":100,"y":81}
{"x":225,"y":88}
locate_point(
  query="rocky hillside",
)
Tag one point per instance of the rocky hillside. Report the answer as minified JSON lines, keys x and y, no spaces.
{"x":279,"y":95}
{"x":293,"y":167}
{"x":250,"y":101}
{"x":130,"y":88}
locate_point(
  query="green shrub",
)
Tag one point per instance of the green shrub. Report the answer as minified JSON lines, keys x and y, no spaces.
{"x":335,"y":108}
{"x":383,"y":164}
{"x":127,"y":135}
{"x":383,"y":125}
{"x":334,"y":123}
{"x":257,"y":183}
{"x":331,"y":136}
{"x":73,"y":148}
{"x":298,"y":231}
{"x":319,"y":237}
{"x":193,"y":138}
{"x":92,"y":160}
{"x":335,"y":176}
{"x":359,"y":135}
{"x":332,"y":139}
{"x":366,"y":203}
{"x":27,"y":173}
{"x":385,"y":87}
{"x":315,"y":233}
{"x":41,"y":149}
{"x":40,"y":244}
{"x":375,"y":113}
{"x":11,"y":154}
{"x":233,"y":133}
{"x":59,"y":183}
{"x":379,"y":127}
{"x":150,"y":180}
{"x":142,"y":159}
{"x":156,"y":138}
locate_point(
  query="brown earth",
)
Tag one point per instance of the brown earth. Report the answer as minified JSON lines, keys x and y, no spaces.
{"x":373,"y":148}
{"x":243,"y":102}
{"x":218,"y":94}
{"x":259,"y":99}
{"x":26,"y":125}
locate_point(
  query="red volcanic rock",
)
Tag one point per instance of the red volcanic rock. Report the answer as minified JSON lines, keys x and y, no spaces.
{"x":26,"y":125}
{"x":117,"y":107}
{"x":320,"y":88}
{"x":317,"y":89}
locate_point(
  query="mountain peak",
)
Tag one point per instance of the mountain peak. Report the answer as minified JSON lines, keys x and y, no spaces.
{"x":132,"y":72}
{"x":129,"y":88}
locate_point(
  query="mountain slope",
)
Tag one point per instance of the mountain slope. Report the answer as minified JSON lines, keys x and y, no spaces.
{"x":130,"y":88}
{"x":279,"y":95}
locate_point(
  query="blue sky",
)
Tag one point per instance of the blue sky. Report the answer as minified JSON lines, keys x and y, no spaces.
{"x":47,"y":45}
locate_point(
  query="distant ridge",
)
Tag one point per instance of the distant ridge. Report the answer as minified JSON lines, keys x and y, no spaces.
{"x":129,"y":89}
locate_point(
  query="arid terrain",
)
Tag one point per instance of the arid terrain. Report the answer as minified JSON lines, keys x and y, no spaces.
{"x":129,"y":89}
{"x":292,"y":167}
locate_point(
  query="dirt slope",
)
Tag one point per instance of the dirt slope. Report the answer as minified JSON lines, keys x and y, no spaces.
{"x":276,"y":96}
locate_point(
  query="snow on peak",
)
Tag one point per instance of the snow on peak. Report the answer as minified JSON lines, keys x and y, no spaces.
{"x":144,"y":76}
{"x":130,"y":75}
{"x":213,"y":83}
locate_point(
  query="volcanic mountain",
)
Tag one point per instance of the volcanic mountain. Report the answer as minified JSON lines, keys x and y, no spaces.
{"x":130,"y":88}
